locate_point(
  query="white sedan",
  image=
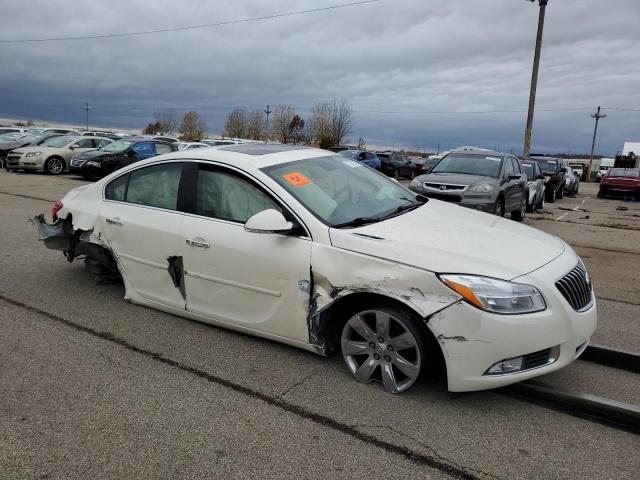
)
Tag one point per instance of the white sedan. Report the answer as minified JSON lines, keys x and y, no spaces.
{"x":312,"y":249}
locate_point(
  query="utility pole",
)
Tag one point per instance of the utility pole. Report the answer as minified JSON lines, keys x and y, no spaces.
{"x":86,"y":108}
{"x":534,"y":78}
{"x":267,"y":111}
{"x":597,"y":116}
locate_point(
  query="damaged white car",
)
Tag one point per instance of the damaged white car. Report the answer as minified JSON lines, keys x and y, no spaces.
{"x":315,"y":250}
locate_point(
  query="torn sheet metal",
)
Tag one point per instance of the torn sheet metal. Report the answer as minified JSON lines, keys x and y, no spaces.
{"x":54,"y":235}
{"x":176,"y":271}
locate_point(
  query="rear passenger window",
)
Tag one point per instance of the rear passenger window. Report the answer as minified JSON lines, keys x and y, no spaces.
{"x":508,"y":167}
{"x":116,"y":189}
{"x":155,"y":186}
{"x":163,"y":148}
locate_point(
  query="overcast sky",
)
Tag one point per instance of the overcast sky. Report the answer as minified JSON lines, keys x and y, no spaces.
{"x":433,"y":61}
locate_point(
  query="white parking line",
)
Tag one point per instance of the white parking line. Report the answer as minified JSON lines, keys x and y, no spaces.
{"x":561,"y":216}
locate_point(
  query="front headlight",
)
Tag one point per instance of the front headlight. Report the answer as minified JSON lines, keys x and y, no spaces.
{"x":91,"y":163}
{"x":496,"y":296}
{"x":415,"y":183}
{"x":33,"y":154}
{"x":484,"y":188}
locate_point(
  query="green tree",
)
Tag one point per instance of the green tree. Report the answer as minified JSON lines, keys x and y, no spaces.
{"x":192,"y":127}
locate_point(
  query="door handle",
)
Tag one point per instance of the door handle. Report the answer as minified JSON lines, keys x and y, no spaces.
{"x":114,"y":221}
{"x":197,"y":243}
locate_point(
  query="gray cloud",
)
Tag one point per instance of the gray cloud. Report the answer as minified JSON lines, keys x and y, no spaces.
{"x":392,"y":56}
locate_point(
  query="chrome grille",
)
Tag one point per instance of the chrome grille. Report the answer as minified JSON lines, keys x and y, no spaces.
{"x":444,"y":187}
{"x":576,"y":287}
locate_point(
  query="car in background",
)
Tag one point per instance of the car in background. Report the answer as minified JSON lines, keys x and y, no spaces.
{"x":58,"y":131}
{"x":191,"y":145}
{"x":23,"y":140}
{"x":369,"y":159}
{"x":553,"y":170}
{"x":10,"y":136}
{"x":110,"y":135}
{"x":212,"y":142}
{"x":535,"y":180}
{"x":578,"y":170}
{"x":396,"y":165}
{"x":571,"y":182}
{"x":488,"y":182}
{"x":11,"y":130}
{"x":621,"y":181}
{"x":602,"y":171}
{"x":165,"y":138}
{"x":53,"y":156}
{"x":118,"y":154}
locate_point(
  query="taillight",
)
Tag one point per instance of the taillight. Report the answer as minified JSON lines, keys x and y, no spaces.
{"x":56,"y":208}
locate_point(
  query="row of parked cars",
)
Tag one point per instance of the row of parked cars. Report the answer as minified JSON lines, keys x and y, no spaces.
{"x":91,"y":154}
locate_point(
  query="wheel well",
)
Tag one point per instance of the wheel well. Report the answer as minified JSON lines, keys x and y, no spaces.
{"x":334,"y":318}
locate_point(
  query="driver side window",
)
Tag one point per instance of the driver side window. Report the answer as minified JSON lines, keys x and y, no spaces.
{"x":508,"y":168}
{"x":226,"y":196}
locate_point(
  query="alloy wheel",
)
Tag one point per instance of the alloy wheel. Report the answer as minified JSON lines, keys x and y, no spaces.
{"x":377,"y":347}
{"x":54,"y":166}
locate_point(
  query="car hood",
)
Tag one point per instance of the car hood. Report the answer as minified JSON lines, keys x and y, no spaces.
{"x":94,"y":155}
{"x":446,"y":238}
{"x":38,"y":148}
{"x":456,"y":178}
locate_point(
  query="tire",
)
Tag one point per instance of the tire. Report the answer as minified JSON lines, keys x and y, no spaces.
{"x":560,"y":194}
{"x":575,"y":192}
{"x":54,"y":166}
{"x":602,"y":193}
{"x":550,"y":194}
{"x":384,"y":344}
{"x":498,"y":209}
{"x":540,"y":204}
{"x":530,"y":206}
{"x":412,"y":175}
{"x":518,"y":215}
{"x":396,"y":174}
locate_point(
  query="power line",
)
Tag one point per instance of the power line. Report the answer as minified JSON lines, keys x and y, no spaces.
{"x":193,"y":27}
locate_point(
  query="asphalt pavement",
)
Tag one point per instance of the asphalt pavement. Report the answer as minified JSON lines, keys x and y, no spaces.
{"x":94,"y":387}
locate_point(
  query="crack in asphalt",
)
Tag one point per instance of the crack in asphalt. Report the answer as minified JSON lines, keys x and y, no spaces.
{"x":27,"y":196}
{"x":424,"y":445}
{"x":296,"y":385}
{"x":626,"y":302}
{"x":435,"y":461}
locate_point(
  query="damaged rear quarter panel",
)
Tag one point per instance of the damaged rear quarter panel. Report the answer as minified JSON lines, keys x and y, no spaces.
{"x":337,"y":273}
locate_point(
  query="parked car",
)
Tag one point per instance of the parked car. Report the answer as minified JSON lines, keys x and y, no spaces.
{"x":578,"y":170}
{"x":306,"y":248}
{"x":165,"y":138}
{"x":370,"y":159}
{"x":110,"y":135}
{"x":621,"y":181}
{"x":424,"y":165}
{"x":59,"y":131}
{"x":602,"y":171}
{"x":53,"y":156}
{"x":213,"y":142}
{"x":11,"y":130}
{"x":22,"y":141}
{"x":396,"y":165}
{"x":118,"y":154}
{"x":191,"y":145}
{"x":491,"y":183}
{"x":10,"y":136}
{"x":571,"y":182}
{"x":553,"y":171}
{"x":535,"y":180}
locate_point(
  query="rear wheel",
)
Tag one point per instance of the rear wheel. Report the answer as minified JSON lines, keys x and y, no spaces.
{"x":560,"y":193}
{"x":550,"y":194}
{"x":384,"y":344}
{"x":396,"y":174}
{"x":530,"y":206}
{"x":498,"y":210}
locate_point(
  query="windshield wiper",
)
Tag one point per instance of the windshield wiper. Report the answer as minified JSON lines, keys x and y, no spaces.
{"x":357,"y":222}
{"x":402,"y":209}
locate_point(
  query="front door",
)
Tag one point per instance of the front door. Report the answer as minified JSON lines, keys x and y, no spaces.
{"x":252,"y":280}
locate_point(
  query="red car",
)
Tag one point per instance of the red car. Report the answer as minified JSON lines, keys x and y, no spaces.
{"x":621,"y":181}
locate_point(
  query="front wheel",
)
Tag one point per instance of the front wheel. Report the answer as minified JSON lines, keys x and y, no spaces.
{"x":560,"y":193}
{"x":518,"y":215}
{"x":550,"y":194}
{"x":384,"y":344}
{"x":498,"y":210}
{"x":54,"y":166}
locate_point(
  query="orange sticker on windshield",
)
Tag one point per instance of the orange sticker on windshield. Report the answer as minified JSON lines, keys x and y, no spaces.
{"x":297,"y":179}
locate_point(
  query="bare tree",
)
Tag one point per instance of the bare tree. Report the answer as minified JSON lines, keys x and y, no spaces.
{"x":192,"y":127}
{"x":256,"y":124}
{"x":297,"y":131}
{"x":236,"y":125}
{"x":282,"y":118}
{"x":331,"y":122}
{"x":167,"y":121}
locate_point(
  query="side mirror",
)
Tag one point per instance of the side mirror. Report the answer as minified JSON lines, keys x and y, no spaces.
{"x":514,"y":176}
{"x":563,"y":170}
{"x":268,"y":221}
{"x":73,"y":147}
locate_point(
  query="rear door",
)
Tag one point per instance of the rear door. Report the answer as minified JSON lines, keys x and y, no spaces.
{"x":141,"y":222}
{"x":250,"y":280}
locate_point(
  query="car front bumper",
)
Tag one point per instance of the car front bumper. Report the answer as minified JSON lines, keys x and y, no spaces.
{"x":22,"y":162}
{"x":472,"y":341}
{"x":482,"y":203}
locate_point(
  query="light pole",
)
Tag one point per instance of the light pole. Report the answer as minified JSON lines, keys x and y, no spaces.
{"x":267,"y":111}
{"x":86,"y":108}
{"x":534,"y":77}
{"x":597,"y":116}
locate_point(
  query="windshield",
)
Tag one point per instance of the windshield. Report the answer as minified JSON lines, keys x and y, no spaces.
{"x":117,"y":147}
{"x":487,"y":166}
{"x":350,"y":153}
{"x":9,"y":136}
{"x":624,"y":172}
{"x":548,"y":166}
{"x":57,"y":142}
{"x":338,"y":190}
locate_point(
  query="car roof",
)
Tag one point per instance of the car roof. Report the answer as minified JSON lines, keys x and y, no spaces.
{"x":235,"y":155}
